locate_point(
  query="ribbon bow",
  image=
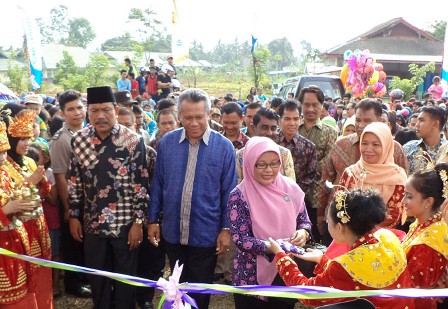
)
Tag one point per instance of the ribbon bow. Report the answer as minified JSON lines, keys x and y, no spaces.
{"x":173,"y":297}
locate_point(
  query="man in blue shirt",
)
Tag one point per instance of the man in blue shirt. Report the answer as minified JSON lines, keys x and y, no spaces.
{"x":190,"y":187}
{"x":124,"y":83}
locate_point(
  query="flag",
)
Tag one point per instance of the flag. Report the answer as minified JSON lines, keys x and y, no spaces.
{"x":444,"y":74}
{"x":33,"y":49}
{"x":180,"y":43}
{"x":254,"y":40}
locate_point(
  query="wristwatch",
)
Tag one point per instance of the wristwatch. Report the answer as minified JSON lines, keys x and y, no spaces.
{"x":138,"y":220}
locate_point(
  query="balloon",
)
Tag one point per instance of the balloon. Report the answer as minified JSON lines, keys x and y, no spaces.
{"x":368,"y":73}
{"x":344,"y":74}
{"x":381,"y":93}
{"x":357,"y":52}
{"x":374,"y":78}
{"x":369,"y":61}
{"x":379,"y":67}
{"x":396,"y":94}
{"x":352,"y":62}
{"x":379,"y":86}
{"x":347,"y":54}
{"x":382,"y":77}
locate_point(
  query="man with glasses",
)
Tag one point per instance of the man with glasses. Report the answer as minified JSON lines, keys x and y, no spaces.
{"x":265,"y":123}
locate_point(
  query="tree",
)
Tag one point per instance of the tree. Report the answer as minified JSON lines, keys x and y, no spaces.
{"x":261,"y":57}
{"x":81,"y":32}
{"x":283,"y":48}
{"x":17,"y":75}
{"x":60,"y":24}
{"x":124,"y":42}
{"x":96,"y":70}
{"x":308,"y":54}
{"x":438,"y":29}
{"x":64,"y":68}
{"x":408,"y":85}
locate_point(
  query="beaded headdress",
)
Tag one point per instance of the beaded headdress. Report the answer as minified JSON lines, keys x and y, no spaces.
{"x":341,"y":206}
{"x":4,"y":143}
{"x":430,"y":166}
{"x":22,"y":125}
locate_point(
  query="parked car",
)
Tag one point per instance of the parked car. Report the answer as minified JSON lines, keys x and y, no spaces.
{"x":329,"y":84}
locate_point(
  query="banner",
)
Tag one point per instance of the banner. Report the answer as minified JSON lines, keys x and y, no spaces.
{"x":33,"y":49}
{"x":444,"y":74}
{"x":180,"y":43}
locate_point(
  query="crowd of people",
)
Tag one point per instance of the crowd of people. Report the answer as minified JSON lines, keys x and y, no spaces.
{"x":121,"y":182}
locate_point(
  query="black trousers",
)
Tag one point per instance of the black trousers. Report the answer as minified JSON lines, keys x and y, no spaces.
{"x":199,"y":266}
{"x":111,"y":254}
{"x":151,"y":262}
{"x":72,"y":253}
{"x":253,"y":302}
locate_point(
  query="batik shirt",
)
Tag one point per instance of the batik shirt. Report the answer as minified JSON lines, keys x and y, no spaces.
{"x":304,"y":157}
{"x":324,"y":137}
{"x":240,"y":142}
{"x":107,"y":180}
{"x":418,"y":154}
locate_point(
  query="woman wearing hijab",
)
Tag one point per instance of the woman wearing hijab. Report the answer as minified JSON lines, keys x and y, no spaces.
{"x":265,"y":203}
{"x":16,"y":288}
{"x":376,"y":169}
{"x":27,"y":176}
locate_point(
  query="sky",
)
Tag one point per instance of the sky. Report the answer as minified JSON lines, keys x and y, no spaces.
{"x":323,"y":23}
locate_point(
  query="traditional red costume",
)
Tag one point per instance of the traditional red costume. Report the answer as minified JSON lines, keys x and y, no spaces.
{"x":16,"y":282}
{"x":376,"y":261}
{"x":426,"y":248}
{"x":34,"y":223}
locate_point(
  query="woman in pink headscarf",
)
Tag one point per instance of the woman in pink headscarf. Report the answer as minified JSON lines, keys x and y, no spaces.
{"x":265,"y":203}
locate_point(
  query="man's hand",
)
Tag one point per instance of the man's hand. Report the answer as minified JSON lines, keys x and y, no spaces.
{"x":76,"y":229}
{"x":223,"y":242}
{"x":154,"y":234}
{"x":299,"y":237}
{"x":135,"y":236}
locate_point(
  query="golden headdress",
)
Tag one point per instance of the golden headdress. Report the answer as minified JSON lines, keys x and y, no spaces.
{"x":341,"y":206}
{"x":22,"y":125}
{"x":4,"y":143}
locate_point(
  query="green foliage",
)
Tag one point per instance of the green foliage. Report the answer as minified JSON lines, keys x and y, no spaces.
{"x":283,"y":53}
{"x":96,"y":70}
{"x":438,"y":30}
{"x":124,"y":42}
{"x":81,"y":32}
{"x":261,"y":58}
{"x":17,"y":76}
{"x":65,"y":30}
{"x":69,"y":76}
{"x":408,"y":85}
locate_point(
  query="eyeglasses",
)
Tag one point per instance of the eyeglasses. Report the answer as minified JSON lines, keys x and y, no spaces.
{"x":263,"y":166}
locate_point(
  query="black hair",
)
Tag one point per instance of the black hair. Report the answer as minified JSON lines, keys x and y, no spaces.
{"x":366,"y":209}
{"x":253,"y":105}
{"x":250,"y":96}
{"x":392,"y":119}
{"x":265,"y":112}
{"x":165,"y":103}
{"x":48,"y":106}
{"x":435,"y":113}
{"x":131,"y":74}
{"x":289,"y":105}
{"x":68,"y":96}
{"x":228,"y":98}
{"x":14,"y":108}
{"x":292,"y":94}
{"x":137,"y":109}
{"x":418,"y":103}
{"x":167,"y":112}
{"x":232,"y":107}
{"x":52,"y":111}
{"x":406,"y":135}
{"x":401,"y":120}
{"x":326,"y":106}
{"x":367,"y":104}
{"x":312,"y":89}
{"x":44,"y":115}
{"x":276,"y":102}
{"x":123,"y":71}
{"x":328,"y":99}
{"x":215,"y":101}
{"x":429,"y":184}
{"x":347,"y":95}
{"x":127,"y":60}
{"x":33,"y":153}
{"x":55,"y":124}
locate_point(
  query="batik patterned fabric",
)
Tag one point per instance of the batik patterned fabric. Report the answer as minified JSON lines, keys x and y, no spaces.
{"x":108,"y":180}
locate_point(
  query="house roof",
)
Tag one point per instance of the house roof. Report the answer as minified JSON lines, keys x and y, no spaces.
{"x":6,"y":63}
{"x":53,"y":54}
{"x":379,"y":40}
